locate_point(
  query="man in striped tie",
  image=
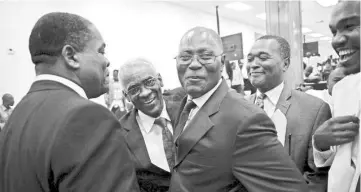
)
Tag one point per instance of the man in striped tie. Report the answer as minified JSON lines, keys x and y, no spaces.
{"x":148,"y":128}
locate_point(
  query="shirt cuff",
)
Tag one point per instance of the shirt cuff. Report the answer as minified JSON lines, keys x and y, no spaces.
{"x":322,"y":158}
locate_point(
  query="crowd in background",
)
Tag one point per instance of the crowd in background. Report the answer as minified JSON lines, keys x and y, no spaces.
{"x":231,"y":126}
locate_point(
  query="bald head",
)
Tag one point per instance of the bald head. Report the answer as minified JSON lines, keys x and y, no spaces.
{"x":201,"y":36}
{"x":8,"y":100}
{"x":133,"y":70}
{"x":335,"y":76}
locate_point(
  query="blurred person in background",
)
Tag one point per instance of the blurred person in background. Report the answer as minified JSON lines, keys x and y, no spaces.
{"x":6,"y":109}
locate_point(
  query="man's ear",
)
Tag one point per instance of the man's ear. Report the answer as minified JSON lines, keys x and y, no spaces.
{"x":70,"y":56}
{"x":159,"y":77}
{"x":223,"y":60}
{"x":286,"y":64}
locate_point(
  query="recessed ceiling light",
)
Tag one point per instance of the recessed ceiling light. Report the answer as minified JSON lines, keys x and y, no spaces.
{"x":306,"y":30}
{"x":261,"y":16}
{"x":315,"y":34}
{"x":325,"y":38}
{"x":238,"y":6}
{"x":327,"y":3}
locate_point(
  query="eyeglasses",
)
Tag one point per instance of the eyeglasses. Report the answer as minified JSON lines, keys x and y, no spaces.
{"x":204,"y":59}
{"x":135,"y":90}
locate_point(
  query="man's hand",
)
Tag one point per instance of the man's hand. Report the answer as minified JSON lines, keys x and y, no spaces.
{"x":336,"y":131}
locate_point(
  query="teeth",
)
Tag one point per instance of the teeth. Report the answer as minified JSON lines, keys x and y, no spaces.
{"x":346,"y":52}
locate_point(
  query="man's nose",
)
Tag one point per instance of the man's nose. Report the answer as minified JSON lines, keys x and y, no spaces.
{"x":195,"y":64}
{"x":339,"y":40}
{"x":144,"y":92}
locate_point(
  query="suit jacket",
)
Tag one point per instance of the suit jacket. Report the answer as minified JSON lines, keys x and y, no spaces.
{"x":231,"y":145}
{"x":304,"y":114}
{"x":56,"y":140}
{"x":151,"y":178}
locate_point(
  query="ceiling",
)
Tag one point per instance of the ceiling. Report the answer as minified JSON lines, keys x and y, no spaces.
{"x":314,"y":16}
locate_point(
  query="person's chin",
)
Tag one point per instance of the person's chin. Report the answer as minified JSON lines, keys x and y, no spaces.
{"x":352,"y":65}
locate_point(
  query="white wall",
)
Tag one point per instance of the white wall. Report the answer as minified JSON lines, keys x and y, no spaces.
{"x":130,"y":29}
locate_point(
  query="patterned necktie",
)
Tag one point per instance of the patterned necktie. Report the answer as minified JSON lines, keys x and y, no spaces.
{"x":184,"y":117}
{"x":168,"y":143}
{"x":260,"y":100}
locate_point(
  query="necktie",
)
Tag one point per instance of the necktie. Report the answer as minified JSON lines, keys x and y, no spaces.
{"x":184,"y":117}
{"x":259,"y":100}
{"x":168,"y":144}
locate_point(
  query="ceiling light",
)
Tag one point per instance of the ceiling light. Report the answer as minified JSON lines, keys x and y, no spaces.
{"x":325,"y":38}
{"x":306,"y":30}
{"x":238,"y":6}
{"x":315,"y":34}
{"x":261,"y":16}
{"x":327,"y":3}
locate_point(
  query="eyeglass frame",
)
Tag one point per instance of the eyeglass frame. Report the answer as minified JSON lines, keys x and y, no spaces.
{"x":126,"y":92}
{"x":191,"y":60}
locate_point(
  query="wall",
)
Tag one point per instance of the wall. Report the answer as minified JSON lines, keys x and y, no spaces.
{"x":130,"y":29}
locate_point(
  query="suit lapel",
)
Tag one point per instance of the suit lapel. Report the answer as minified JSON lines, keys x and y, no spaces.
{"x":283,"y":105}
{"x":135,"y":140}
{"x":200,"y":124}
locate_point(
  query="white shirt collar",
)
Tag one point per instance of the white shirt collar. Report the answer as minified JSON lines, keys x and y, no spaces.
{"x":274,"y":94}
{"x":148,"y":121}
{"x":200,"y":101}
{"x":63,"y":81}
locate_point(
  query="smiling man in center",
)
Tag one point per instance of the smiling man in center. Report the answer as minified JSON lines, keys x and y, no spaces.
{"x":223,"y":142}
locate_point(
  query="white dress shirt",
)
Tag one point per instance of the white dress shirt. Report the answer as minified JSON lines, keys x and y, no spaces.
{"x":153,"y":138}
{"x":200,"y":101}
{"x":63,"y":81}
{"x":272,"y":98}
{"x":269,"y":106}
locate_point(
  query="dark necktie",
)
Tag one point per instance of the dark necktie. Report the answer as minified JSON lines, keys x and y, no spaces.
{"x":184,"y":117}
{"x":168,"y":143}
{"x":260,"y":100}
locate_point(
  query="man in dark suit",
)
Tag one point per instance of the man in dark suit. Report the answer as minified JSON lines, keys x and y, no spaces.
{"x":56,"y":139}
{"x":223,"y":142}
{"x":148,"y":128}
{"x":269,"y":60}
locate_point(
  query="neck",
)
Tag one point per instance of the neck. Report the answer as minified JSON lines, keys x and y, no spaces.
{"x":58,"y":70}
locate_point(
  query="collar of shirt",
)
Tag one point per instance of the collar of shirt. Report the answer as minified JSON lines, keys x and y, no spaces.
{"x":200,"y":101}
{"x":274,"y":94}
{"x":63,"y":81}
{"x":148,"y":121}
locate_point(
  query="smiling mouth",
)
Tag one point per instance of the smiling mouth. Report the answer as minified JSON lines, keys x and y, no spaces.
{"x":149,"y":101}
{"x":346,"y":54}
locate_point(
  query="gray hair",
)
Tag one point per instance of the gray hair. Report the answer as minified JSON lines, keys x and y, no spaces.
{"x":132,"y":64}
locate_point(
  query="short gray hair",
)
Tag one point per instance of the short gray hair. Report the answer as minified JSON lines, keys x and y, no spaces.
{"x":132,"y":64}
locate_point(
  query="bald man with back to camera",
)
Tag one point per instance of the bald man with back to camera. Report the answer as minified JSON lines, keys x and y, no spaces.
{"x":56,"y":140}
{"x":223,"y":142}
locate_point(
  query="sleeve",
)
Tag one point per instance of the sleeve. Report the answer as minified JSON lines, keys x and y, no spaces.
{"x":322,"y":158}
{"x":315,"y":176}
{"x":90,"y":153}
{"x":260,"y":162}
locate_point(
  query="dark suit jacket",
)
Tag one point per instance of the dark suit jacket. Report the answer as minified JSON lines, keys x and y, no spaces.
{"x":230,"y":144}
{"x":150,"y":177}
{"x":56,"y":140}
{"x":304,"y":114}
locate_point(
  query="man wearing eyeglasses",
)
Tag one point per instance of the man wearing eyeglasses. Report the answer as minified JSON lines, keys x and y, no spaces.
{"x":223,"y":142}
{"x":148,"y":128}
{"x":268,"y":62}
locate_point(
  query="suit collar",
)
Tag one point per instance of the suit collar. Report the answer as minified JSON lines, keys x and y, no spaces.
{"x":284,"y":103}
{"x":46,"y":85}
{"x":134,"y":138}
{"x":201,"y":122}
{"x":63,"y":81}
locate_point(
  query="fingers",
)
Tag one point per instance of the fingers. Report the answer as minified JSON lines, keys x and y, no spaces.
{"x":345,"y":119}
{"x":350,"y":126}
